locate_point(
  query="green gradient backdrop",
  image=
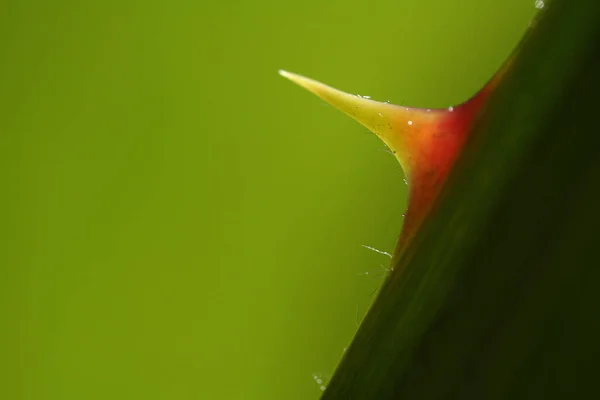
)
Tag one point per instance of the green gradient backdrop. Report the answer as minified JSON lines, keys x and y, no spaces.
{"x":178,"y":221}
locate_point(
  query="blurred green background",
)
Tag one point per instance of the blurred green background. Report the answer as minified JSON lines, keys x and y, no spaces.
{"x":180,"y":222}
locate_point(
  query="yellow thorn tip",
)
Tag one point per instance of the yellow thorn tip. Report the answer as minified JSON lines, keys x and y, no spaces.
{"x":389,"y":122}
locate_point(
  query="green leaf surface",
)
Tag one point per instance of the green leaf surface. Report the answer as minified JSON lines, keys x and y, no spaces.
{"x":497,"y":296}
